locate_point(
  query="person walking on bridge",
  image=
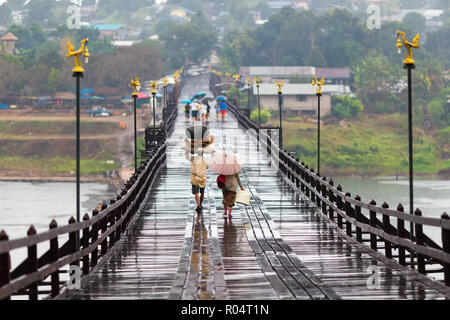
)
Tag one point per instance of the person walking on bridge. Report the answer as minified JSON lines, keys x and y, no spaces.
{"x":227,"y":165}
{"x":187,"y":111}
{"x":200,"y":142}
{"x":194,"y":111}
{"x":223,"y":109}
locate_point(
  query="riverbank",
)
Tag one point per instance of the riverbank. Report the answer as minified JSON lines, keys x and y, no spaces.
{"x":373,"y":145}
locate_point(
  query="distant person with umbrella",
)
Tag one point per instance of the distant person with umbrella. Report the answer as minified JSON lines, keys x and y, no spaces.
{"x":203,"y":111}
{"x":227,"y":166}
{"x":223,"y":106}
{"x":194,"y":111}
{"x":187,"y":109}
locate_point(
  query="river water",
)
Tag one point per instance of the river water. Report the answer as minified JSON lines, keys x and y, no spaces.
{"x":431,"y":195}
{"x":36,"y":203}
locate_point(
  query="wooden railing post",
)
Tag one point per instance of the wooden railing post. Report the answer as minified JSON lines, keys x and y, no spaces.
{"x":112,"y":219}
{"x":358,"y":217}
{"x":318,"y":189}
{"x":446,"y":248}
{"x":401,"y":234}
{"x":94,"y":255}
{"x":297,"y":171}
{"x":373,"y":224}
{"x":85,"y":245}
{"x":340,"y":206}
{"x":386,"y":228}
{"x":32,"y":265}
{"x":332,"y":200}
{"x":103,"y":226}
{"x":419,"y":240}
{"x":324,"y":195}
{"x":302,"y":175}
{"x":119,"y":212}
{"x":312,"y":185}
{"x":54,"y":256}
{"x":73,"y":241}
{"x":306,"y":178}
{"x":5,"y":264}
{"x":348,"y":211}
{"x":293,"y":166}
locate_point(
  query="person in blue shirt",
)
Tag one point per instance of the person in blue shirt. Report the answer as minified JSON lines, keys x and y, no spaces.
{"x":223,"y":110}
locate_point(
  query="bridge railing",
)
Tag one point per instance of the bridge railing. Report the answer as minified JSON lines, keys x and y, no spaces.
{"x":357,"y":218}
{"x":98,"y":234}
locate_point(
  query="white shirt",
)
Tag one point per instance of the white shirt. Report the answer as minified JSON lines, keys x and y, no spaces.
{"x":203,"y":108}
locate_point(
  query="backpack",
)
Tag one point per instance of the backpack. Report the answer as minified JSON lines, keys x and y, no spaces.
{"x":221,"y":181}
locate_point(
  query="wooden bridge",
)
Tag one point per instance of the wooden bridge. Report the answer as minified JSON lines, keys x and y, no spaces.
{"x":301,"y":238}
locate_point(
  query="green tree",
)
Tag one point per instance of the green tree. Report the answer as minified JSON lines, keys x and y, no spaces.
{"x":415,"y":21}
{"x":437,"y":111}
{"x":5,"y":14}
{"x":187,"y":43}
{"x":317,"y":59}
{"x":374,"y":78}
{"x":437,"y":43}
{"x":345,"y":107}
{"x":265,"y":115}
{"x":39,"y":11}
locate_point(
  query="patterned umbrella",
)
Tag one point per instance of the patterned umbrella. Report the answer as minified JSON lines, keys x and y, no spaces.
{"x":198,"y":132}
{"x":225,"y":163}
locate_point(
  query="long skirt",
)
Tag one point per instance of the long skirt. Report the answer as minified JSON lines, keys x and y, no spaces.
{"x":228,"y":198}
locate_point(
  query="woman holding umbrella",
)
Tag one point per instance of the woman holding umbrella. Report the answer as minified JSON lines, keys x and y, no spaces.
{"x":227,"y":165}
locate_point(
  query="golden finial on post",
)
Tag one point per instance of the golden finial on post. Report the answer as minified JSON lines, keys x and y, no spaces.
{"x":176,"y":75}
{"x":257,"y":80}
{"x":136,"y":85}
{"x":154,"y":85}
{"x":249,"y":81}
{"x":279,"y":84}
{"x":83,"y":51}
{"x":409,"y":46}
{"x":319,"y":85}
{"x":228,"y":75}
{"x":237,"y":77}
{"x":165,"y":82}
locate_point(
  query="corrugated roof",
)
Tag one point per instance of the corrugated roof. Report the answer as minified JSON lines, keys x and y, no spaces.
{"x":342,"y":73}
{"x":107,"y":27}
{"x":10,"y":37}
{"x":303,"y":71}
{"x":278,"y":71}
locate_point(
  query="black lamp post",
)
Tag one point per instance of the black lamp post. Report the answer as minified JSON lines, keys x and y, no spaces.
{"x":78,"y":72}
{"x":237,"y":77}
{"x":136,"y":87}
{"x":249,"y":83}
{"x":154,"y":85}
{"x":409,"y":64}
{"x":259,"y":106}
{"x":165,"y":83}
{"x":319,"y":85}
{"x":280,"y":85}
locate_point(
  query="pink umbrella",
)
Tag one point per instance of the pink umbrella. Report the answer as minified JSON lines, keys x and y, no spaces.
{"x":142,"y":95}
{"x":225,"y":163}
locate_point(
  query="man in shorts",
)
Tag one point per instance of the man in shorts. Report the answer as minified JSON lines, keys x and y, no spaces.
{"x":198,"y":179}
{"x":223,"y":110}
{"x":194,"y":111}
